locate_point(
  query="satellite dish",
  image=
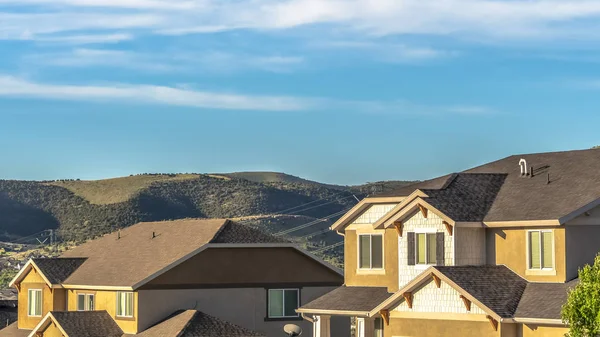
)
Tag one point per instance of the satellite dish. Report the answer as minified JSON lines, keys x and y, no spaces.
{"x":292,"y":330}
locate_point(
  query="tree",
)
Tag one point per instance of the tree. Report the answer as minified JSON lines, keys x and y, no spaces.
{"x":582,"y":310}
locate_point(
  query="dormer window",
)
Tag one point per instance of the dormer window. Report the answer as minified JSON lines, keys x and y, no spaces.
{"x":523,"y":166}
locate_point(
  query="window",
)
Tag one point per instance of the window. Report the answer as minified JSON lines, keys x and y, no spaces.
{"x":124,"y":304}
{"x":370,"y":251}
{"x":540,"y":249}
{"x":283,"y":303}
{"x":85,"y":302}
{"x":426,"y":248}
{"x":34,"y":302}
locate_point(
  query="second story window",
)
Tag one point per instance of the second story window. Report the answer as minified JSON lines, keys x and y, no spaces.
{"x":85,"y":302}
{"x":370,"y":251}
{"x":425,"y":248}
{"x":426,"y":252}
{"x":124,"y":304}
{"x":34,"y":302}
{"x":540,"y":249}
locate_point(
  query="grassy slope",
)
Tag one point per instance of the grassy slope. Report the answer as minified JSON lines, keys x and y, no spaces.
{"x":115,"y":190}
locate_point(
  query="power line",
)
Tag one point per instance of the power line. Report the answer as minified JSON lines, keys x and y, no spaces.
{"x":312,"y":202}
{"x":328,"y":247}
{"x":323,"y":231}
{"x":327,"y":203}
{"x":29,"y":237}
{"x":312,"y":223}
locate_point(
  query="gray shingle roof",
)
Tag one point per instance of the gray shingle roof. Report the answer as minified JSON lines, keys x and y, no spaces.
{"x":574,"y":173}
{"x":234,"y":232}
{"x":193,"y":323}
{"x":360,"y":299}
{"x":496,"y":287}
{"x":467,"y":197}
{"x":544,"y":300}
{"x":57,"y":270}
{"x":87,"y":323}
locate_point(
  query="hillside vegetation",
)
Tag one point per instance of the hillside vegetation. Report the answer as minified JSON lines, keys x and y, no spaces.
{"x":111,"y":191}
{"x":80,"y":210}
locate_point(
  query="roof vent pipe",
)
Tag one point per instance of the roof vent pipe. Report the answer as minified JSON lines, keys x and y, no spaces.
{"x":523,"y":166}
{"x":153,"y":235}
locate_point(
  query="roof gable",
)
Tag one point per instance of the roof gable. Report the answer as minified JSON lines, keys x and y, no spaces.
{"x":125,"y":258}
{"x":495,"y":289}
{"x":52,"y":270}
{"x":79,"y":324}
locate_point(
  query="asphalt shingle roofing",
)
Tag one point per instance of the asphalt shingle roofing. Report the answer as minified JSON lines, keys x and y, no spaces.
{"x":360,"y":299}
{"x":87,"y":323}
{"x":193,"y":323}
{"x":544,"y":300}
{"x":128,"y":257}
{"x":57,"y":270}
{"x":517,"y":198}
{"x":496,"y":287}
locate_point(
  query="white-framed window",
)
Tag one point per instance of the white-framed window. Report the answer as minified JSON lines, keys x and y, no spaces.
{"x":124,"y":304}
{"x":540,"y":249}
{"x":282,"y":303}
{"x":34,"y":302}
{"x":85,"y":302}
{"x":425,"y":245}
{"x":370,"y":248}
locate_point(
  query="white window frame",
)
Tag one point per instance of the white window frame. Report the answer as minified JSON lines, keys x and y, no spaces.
{"x":41,"y":295}
{"x":541,"y":269}
{"x":86,"y":302}
{"x":132,"y":304}
{"x":358,"y":257}
{"x":283,"y":302}
{"x":360,"y":327}
{"x":424,"y":231}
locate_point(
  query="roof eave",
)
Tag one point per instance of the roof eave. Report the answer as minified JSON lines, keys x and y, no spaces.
{"x":342,"y":222}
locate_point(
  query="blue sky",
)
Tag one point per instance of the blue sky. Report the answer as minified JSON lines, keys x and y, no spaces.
{"x":340,"y":91}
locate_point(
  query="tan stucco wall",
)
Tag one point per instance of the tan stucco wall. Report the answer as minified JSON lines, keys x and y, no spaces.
{"x":508,"y":246}
{"x":402,"y":327}
{"x":390,"y":262}
{"x":107,"y":300}
{"x":527,"y":330}
{"x":33,"y":280}
{"x":582,"y":246}
{"x":52,"y":331}
{"x":247,"y":267}
{"x":246,"y":307}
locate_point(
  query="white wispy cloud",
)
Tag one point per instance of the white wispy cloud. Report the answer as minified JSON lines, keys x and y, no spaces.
{"x":497,"y":19}
{"x":85,"y":38}
{"x":148,"y":94}
{"x":16,"y":87}
{"x":205,"y":61}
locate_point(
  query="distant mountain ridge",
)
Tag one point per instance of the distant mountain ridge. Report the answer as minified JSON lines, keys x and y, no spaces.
{"x":80,"y":210}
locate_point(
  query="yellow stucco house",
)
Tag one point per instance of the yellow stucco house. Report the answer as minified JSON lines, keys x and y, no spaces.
{"x":491,"y":251}
{"x":175,"y":278}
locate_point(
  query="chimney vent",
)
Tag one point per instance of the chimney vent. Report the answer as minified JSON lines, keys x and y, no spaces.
{"x":153,"y":235}
{"x":523,"y":166}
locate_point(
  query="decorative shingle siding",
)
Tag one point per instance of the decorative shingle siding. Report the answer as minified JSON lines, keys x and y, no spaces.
{"x":415,"y":223}
{"x":470,"y":246}
{"x":374,"y":213}
{"x":445,"y":299}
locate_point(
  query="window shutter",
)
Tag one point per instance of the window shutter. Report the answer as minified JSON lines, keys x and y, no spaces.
{"x":439,"y":249}
{"x":410,"y":238}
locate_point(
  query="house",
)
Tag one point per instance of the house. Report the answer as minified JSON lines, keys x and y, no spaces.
{"x":491,"y":251}
{"x":175,"y":278}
